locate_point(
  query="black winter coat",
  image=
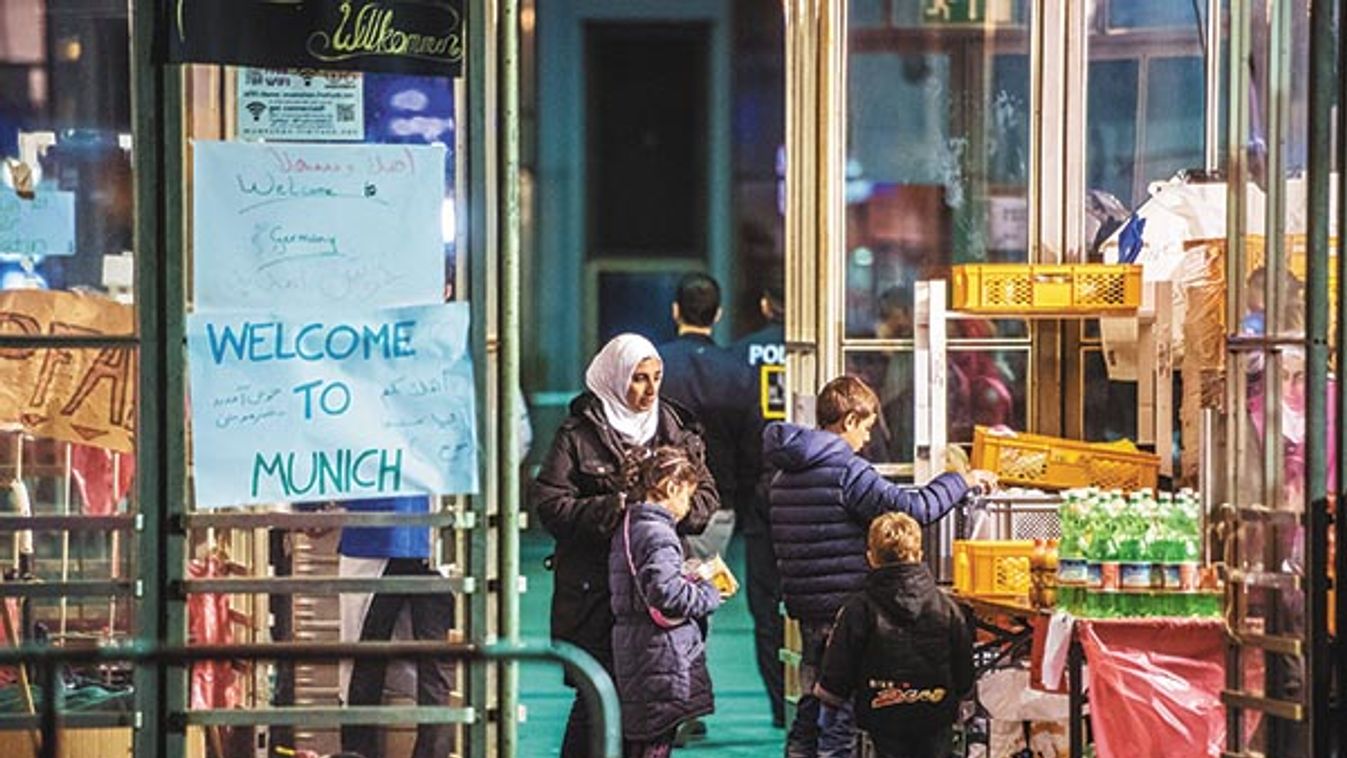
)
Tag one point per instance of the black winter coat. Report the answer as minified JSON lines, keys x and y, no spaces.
{"x":660,"y":673}
{"x":823,"y":498}
{"x":902,"y":651}
{"x":577,"y":496}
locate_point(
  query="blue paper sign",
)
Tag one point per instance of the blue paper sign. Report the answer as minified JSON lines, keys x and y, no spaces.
{"x":38,"y":227}
{"x":289,"y":408}
{"x":302,"y":225}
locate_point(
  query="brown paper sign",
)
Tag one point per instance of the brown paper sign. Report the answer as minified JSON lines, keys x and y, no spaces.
{"x":84,"y":395}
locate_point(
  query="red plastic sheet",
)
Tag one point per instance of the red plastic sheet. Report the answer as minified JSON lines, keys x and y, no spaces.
{"x":215,"y":684}
{"x":1155,"y":686}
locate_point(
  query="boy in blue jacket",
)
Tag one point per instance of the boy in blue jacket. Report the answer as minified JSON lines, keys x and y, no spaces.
{"x":823,"y":497}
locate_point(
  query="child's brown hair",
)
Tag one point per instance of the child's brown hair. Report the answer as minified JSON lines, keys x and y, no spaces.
{"x":843,"y":395}
{"x":665,"y":468}
{"x":894,"y":538}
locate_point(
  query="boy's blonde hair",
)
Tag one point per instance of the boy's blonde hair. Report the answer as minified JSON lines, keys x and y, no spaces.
{"x":894,"y":538}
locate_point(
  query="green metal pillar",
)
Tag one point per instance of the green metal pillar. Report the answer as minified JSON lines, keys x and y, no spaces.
{"x":508,"y":394}
{"x":1323,"y":85}
{"x":483,"y":295}
{"x":156,"y":98}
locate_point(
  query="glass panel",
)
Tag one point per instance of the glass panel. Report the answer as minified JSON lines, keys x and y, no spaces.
{"x":1110,"y":407}
{"x":67,"y":446}
{"x":937,"y":153}
{"x":1132,"y":14}
{"x":1110,"y":164}
{"x":890,"y":375}
{"x":66,"y":200}
{"x":985,"y":387}
{"x":1175,"y":117}
{"x":373,"y":127}
{"x":864,"y":13}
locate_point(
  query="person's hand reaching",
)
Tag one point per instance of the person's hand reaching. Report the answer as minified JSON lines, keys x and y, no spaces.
{"x":981,"y":481}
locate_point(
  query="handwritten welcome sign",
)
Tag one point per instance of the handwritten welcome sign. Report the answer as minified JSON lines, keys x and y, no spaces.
{"x":395,"y":36}
{"x":41,"y":226}
{"x":317,"y":225}
{"x":84,"y":395}
{"x":288,"y":408}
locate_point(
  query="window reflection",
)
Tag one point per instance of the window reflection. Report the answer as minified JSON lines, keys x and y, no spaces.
{"x":66,"y":202}
{"x":938,"y":150}
{"x":983,"y":388}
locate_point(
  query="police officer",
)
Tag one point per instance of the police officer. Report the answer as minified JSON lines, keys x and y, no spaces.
{"x":763,"y":353}
{"x":707,"y":381}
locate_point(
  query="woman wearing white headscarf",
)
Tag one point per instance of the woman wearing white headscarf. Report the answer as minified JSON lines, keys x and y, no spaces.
{"x":580,"y":493}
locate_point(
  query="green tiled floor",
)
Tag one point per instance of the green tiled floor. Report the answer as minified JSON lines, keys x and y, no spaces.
{"x":741,"y":726}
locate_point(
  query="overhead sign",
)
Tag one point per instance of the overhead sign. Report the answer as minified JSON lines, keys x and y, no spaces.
{"x":317,"y":225}
{"x":37,"y":227}
{"x":83,"y":395}
{"x":288,"y":408}
{"x":300,"y":105}
{"x":968,"y":11}
{"x":396,"y":36}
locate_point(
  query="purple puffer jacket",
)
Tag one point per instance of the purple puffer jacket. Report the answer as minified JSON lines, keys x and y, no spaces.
{"x":823,"y":498}
{"x":661,"y":673}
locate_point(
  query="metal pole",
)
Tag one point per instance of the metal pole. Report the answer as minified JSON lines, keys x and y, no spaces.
{"x":1340,"y":408}
{"x":507,"y":415}
{"x":1236,"y":194}
{"x":1323,"y":81}
{"x":1212,"y":50}
{"x":51,"y":705}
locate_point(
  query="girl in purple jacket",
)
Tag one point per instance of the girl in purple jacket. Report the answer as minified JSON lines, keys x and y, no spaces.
{"x":659,"y":653}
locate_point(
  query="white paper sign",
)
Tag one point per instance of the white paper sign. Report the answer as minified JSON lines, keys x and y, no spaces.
{"x":37,"y":227}
{"x":331,"y":407}
{"x":328,"y":226}
{"x":300,"y":105}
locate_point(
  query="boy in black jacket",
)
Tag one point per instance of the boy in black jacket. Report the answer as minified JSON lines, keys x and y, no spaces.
{"x":901,"y":650}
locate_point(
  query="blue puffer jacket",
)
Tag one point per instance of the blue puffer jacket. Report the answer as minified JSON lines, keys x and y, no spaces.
{"x":661,"y":673}
{"x":823,"y":497}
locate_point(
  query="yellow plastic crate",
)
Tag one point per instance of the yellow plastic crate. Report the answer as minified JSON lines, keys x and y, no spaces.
{"x":992,"y":568}
{"x":1040,"y":289}
{"x":1053,"y":463}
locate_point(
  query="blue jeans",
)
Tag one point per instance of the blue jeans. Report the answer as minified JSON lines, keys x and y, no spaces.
{"x":818,"y":731}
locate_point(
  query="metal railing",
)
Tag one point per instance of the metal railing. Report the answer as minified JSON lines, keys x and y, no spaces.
{"x":593,"y":682}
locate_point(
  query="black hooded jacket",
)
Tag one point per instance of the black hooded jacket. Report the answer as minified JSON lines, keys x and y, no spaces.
{"x":577,"y":495}
{"x":902,"y":651}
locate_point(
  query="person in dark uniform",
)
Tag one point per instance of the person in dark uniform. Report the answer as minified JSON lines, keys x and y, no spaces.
{"x":763,"y":353}
{"x":708,"y":382}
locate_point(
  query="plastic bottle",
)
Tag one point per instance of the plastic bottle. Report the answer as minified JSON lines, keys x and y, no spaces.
{"x":1072,"y":566}
{"x":1103,"y":597}
{"x":1038,"y":560}
{"x":1051,"y":565}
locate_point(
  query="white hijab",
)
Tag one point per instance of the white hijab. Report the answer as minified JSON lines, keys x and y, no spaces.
{"x":609,"y":376}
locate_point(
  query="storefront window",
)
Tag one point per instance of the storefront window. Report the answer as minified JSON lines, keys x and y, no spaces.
{"x":936,"y":175}
{"x":68,"y":412}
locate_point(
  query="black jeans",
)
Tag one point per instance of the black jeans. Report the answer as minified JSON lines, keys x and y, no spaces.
{"x":764,"y":603}
{"x":432,"y":617}
{"x":914,"y":745}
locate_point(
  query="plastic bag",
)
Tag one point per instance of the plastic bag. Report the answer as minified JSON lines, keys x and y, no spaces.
{"x":1155,"y":687}
{"x":1006,"y":696}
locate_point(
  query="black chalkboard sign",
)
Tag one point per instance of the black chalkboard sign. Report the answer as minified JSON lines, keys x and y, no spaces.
{"x":393,"y":36}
